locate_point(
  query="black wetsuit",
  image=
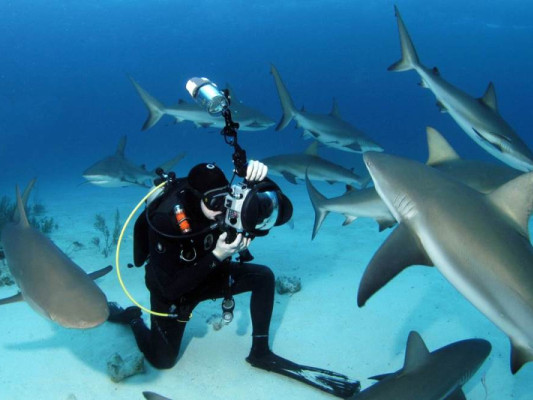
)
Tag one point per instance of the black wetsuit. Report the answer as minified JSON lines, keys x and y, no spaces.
{"x":181,"y":271}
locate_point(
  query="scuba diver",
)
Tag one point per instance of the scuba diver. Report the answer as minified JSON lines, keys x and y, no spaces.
{"x":187,"y":237}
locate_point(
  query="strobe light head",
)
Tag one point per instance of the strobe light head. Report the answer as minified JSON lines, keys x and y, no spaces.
{"x":207,"y":95}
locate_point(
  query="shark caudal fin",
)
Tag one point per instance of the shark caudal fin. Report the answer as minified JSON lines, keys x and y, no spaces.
{"x":155,"y":108}
{"x":317,"y":199}
{"x":409,"y":58}
{"x":19,"y":213}
{"x":289,"y":111}
{"x":167,"y":166}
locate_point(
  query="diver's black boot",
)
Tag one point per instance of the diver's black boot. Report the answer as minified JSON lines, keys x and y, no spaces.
{"x":328,"y":381}
{"x":120,"y":315}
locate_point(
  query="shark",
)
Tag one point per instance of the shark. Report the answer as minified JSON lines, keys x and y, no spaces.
{"x":479,"y":242}
{"x":295,"y":166}
{"x":436,"y":375}
{"x":249,"y":118}
{"x":117,"y":171}
{"x":49,"y":281}
{"x":329,"y":129}
{"x":478,"y":117}
{"x":479,"y":175}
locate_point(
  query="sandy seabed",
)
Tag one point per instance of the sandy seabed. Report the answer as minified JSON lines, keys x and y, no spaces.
{"x":321,"y":325}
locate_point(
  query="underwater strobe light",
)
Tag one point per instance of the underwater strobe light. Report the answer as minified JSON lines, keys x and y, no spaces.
{"x":207,"y":95}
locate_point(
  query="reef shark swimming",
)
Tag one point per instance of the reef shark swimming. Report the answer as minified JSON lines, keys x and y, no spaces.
{"x":329,"y":129}
{"x":49,"y":281}
{"x":479,"y":242}
{"x":294,"y":166}
{"x":479,"y":118}
{"x":248,"y":118}
{"x":425,"y":375}
{"x":479,"y":175}
{"x":117,"y":171}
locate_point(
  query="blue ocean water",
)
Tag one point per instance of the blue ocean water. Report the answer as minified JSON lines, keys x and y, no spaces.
{"x":65,"y":96}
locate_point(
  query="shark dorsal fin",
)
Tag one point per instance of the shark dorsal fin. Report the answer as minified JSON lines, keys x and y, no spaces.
{"x":416,"y":352}
{"x":515,"y":200}
{"x":438,"y":148}
{"x":489,"y":98}
{"x":20,"y":214}
{"x":435,"y":71}
{"x":312,"y":150}
{"x":335,"y":110}
{"x":121,"y":146}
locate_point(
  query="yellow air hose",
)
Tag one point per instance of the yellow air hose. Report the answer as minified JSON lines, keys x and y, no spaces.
{"x":117,"y":255}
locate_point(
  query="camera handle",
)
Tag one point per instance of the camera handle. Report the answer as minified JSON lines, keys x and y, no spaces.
{"x":230,"y":137}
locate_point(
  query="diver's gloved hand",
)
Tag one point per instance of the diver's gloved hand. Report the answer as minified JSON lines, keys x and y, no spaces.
{"x":256,"y":171}
{"x":224,"y":250}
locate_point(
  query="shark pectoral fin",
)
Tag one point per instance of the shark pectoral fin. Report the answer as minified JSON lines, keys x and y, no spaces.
{"x":13,"y":299}
{"x":399,"y":251}
{"x":457,"y":394}
{"x":311,"y":134}
{"x":494,"y":139}
{"x":519,"y":356}
{"x":515,"y":200}
{"x":290,"y":177}
{"x":349,"y":219}
{"x":101,"y":272}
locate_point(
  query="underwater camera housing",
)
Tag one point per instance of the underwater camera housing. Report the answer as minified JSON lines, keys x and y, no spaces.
{"x":254,"y":208}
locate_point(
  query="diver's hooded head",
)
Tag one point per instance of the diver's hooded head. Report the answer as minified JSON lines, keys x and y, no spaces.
{"x":206,"y":177}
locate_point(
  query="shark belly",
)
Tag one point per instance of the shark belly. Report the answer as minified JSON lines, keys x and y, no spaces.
{"x":490,"y":271}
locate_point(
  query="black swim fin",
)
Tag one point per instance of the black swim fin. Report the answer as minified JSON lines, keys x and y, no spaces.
{"x":328,"y":381}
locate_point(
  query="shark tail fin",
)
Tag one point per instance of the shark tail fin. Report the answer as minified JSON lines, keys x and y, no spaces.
{"x":167,"y":166}
{"x":155,"y":108}
{"x":20,"y":213}
{"x":318,"y":200}
{"x":409,"y":58}
{"x":287,"y":105}
{"x":22,"y":201}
